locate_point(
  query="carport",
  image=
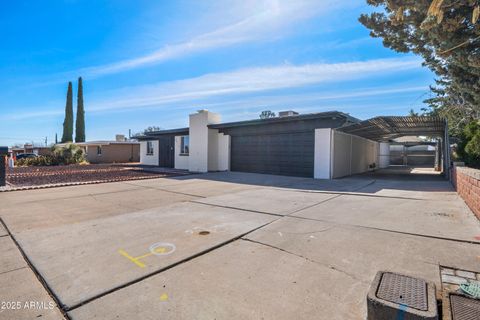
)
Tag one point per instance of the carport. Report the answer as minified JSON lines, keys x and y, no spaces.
{"x":386,"y":128}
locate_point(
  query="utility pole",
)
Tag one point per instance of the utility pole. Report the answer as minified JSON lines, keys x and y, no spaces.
{"x":46,"y":141}
{"x":129,"y":133}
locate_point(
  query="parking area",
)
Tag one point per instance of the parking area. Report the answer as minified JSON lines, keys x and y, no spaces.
{"x":227,"y":245}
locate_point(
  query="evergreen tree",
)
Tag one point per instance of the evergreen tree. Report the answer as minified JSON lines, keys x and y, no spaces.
{"x":68,"y":122}
{"x":56,"y":138}
{"x":80,"y":122}
{"x":446,"y":33}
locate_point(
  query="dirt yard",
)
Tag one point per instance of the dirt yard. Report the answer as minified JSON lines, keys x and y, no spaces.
{"x":36,"y":176}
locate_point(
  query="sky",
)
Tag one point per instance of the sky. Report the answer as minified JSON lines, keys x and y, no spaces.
{"x":152,"y":63}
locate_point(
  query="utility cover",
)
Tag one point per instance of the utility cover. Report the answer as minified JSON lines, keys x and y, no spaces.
{"x":403,"y":290}
{"x":464,"y":308}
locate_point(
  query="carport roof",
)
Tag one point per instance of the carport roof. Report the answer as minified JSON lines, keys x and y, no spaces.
{"x":387,"y":128}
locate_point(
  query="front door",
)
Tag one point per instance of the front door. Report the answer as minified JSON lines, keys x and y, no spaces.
{"x":166,"y":151}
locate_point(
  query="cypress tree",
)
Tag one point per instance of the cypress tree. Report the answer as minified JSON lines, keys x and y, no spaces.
{"x":68,"y":122}
{"x":80,"y":122}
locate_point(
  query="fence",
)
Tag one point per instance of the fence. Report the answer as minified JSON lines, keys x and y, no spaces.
{"x":467,"y":183}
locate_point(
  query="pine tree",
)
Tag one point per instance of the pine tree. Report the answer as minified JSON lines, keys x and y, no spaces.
{"x":80,"y":123}
{"x":56,"y":138}
{"x":68,"y":122}
{"x":446,"y":34}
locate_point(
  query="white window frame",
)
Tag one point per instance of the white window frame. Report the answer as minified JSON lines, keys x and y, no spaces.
{"x":150,"y":149}
{"x":184,"y":151}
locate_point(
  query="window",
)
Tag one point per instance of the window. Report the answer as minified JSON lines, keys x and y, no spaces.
{"x":184,"y":145}
{"x":99,"y":150}
{"x":149,"y":148}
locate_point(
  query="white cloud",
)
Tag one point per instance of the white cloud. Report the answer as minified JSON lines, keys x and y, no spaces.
{"x":228,"y":86}
{"x":249,"y":80}
{"x":271,"y":19}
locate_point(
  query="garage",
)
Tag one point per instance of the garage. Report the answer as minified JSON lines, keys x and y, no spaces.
{"x":283,"y":154}
{"x":283,"y":146}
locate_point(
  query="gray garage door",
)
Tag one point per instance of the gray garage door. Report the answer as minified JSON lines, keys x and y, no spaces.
{"x":284,"y":154}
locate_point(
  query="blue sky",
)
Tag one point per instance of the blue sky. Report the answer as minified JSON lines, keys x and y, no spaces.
{"x":151,"y":63}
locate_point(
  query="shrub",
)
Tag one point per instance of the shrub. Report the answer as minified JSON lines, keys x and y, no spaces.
{"x":469,"y":145}
{"x":69,"y":154}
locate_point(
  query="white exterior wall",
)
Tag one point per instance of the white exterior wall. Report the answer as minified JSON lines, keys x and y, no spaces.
{"x":200,"y":148}
{"x":338,"y":154}
{"x":181,"y":161}
{"x":323,"y":154}
{"x":352,"y":154}
{"x":342,"y":154}
{"x":384,"y":155}
{"x":150,"y":160}
{"x":223,"y":152}
{"x":212,"y":150}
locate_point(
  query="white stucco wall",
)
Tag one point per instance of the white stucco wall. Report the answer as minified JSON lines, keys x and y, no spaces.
{"x":150,"y":160}
{"x":384,"y":155}
{"x":323,"y":154}
{"x":338,"y":154}
{"x":223,"y":152}
{"x":352,"y":154}
{"x":181,"y":161}
{"x":342,"y":154}
{"x":212,"y":150}
{"x":199,"y":141}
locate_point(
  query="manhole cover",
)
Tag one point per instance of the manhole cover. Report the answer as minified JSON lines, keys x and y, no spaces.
{"x":464,"y":308}
{"x":403,"y":290}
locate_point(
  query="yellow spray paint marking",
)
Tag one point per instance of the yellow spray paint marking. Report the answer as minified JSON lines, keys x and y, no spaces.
{"x":158,"y":249}
{"x":133,"y":259}
{"x":164,"y":297}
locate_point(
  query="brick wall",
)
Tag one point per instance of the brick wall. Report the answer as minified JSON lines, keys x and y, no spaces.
{"x":467,"y":183}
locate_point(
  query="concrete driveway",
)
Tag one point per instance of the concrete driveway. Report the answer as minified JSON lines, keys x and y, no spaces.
{"x":226,"y":245}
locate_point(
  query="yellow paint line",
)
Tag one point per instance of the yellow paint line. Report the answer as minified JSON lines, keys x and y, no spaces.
{"x":144,"y":256}
{"x":164,"y":297}
{"x":133,"y":259}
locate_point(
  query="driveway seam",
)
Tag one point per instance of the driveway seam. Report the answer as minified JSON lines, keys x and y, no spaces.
{"x":387,"y":230}
{"x":37,"y":274}
{"x":306,"y":258}
{"x":173,"y":265}
{"x":166,"y":190}
{"x":13,"y":270}
{"x":240,"y":209}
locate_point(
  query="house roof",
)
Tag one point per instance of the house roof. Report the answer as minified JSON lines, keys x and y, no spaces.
{"x":388,"y":128}
{"x":155,"y":134}
{"x":308,"y":116}
{"x":100,"y":143}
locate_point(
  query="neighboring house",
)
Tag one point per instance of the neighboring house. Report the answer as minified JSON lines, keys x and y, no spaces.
{"x":414,"y":151}
{"x":284,"y":145}
{"x":111,"y":151}
{"x":29,"y":148}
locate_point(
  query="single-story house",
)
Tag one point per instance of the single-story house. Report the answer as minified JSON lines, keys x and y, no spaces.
{"x":111,"y":151}
{"x":120,"y":150}
{"x":286,"y":145}
{"x":29,"y":148}
{"x":321,"y":145}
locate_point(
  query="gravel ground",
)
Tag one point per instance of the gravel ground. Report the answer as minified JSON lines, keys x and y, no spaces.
{"x":38,"y":176}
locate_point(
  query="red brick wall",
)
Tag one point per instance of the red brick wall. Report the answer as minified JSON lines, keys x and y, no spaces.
{"x":467,"y":183}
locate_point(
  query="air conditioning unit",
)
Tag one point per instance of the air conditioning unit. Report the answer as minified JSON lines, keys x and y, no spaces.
{"x":287,"y":113}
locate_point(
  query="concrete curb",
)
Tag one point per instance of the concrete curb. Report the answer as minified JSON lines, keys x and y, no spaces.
{"x":68,"y":184}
